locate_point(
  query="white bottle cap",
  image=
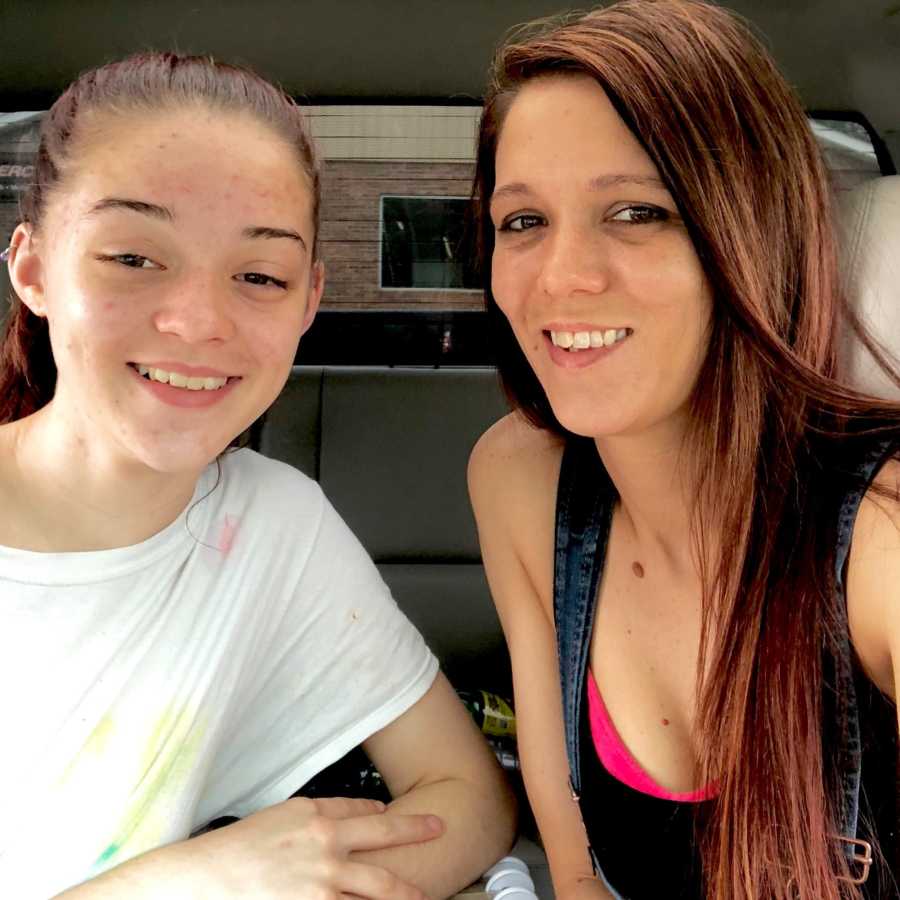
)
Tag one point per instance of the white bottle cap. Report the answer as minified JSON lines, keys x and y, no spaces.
{"x":508,"y":862}
{"x":507,"y":877}
{"x":516,"y":893}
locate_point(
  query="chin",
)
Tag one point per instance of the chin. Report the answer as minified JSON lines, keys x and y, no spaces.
{"x":593,"y":419}
{"x":180,"y":456}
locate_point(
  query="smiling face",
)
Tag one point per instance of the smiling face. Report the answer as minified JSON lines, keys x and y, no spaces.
{"x":174,"y":266}
{"x":592,"y":265}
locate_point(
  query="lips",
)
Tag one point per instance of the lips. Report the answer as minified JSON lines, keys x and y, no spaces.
{"x":180,"y":380}
{"x":183,"y":375}
{"x":590,"y":348}
{"x":582,"y":339}
{"x":188,"y":395}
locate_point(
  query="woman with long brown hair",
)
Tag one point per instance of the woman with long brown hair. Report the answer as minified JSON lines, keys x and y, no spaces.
{"x":666,"y":517}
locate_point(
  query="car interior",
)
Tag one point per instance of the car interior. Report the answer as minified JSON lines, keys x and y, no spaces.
{"x":396,"y":381}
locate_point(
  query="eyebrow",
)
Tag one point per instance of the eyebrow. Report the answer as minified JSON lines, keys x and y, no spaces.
{"x":138,"y":206}
{"x":165,"y":214}
{"x":262,"y":231}
{"x":517,"y":188}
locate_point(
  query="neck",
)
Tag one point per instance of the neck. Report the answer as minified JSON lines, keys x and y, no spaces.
{"x":652,"y":475}
{"x":74,"y":495}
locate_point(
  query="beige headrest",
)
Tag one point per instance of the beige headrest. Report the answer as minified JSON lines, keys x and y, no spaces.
{"x":870,"y":221}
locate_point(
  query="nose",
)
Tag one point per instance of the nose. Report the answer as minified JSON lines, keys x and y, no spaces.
{"x":196,"y":310}
{"x":575,"y":261}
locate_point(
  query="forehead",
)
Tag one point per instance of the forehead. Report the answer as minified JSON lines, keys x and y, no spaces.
{"x":192,"y":162}
{"x":566,"y":123}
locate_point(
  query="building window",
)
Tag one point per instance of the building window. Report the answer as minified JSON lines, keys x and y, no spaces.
{"x":422,"y":244}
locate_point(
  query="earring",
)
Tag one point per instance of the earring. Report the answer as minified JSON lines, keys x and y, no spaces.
{"x":4,"y":256}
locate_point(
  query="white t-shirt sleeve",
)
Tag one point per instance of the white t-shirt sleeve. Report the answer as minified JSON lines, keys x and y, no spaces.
{"x":336,"y":661}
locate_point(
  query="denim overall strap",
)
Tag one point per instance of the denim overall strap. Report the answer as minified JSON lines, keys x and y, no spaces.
{"x":583,"y":514}
{"x":849,"y":749}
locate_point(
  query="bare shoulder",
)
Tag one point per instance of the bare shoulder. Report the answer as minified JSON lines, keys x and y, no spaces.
{"x":513,"y":473}
{"x":16,"y":492}
{"x":873,"y":578}
{"x":510,"y":451}
{"x":513,"y":470}
{"x":878,"y":520}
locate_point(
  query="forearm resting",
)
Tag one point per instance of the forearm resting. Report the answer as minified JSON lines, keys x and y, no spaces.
{"x":479,"y":827}
{"x":157,"y":875}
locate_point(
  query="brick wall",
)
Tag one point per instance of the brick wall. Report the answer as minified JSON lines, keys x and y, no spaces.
{"x":350,"y":234}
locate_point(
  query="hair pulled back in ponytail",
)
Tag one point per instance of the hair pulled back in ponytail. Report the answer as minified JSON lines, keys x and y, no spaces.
{"x":138,"y":85}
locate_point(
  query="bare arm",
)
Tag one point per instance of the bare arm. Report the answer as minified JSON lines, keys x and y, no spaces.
{"x":454,"y":815}
{"x":512,"y":484}
{"x":435,"y":761}
{"x":873,"y":577}
{"x":299,"y":848}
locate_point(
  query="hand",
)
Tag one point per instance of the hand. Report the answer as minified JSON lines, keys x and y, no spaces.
{"x":301,"y":849}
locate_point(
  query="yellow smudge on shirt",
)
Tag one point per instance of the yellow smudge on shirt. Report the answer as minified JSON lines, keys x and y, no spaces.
{"x":166,"y":764}
{"x":131,"y":778}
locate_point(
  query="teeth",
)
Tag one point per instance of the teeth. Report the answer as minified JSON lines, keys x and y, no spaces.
{"x":574,"y":341}
{"x":177,"y":379}
{"x":581,"y":340}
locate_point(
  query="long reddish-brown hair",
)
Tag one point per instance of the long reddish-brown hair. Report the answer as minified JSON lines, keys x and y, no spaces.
{"x":770,"y":423}
{"x":138,"y":85}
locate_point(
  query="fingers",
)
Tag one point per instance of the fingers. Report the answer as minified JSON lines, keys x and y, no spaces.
{"x":374,"y":883}
{"x":347,"y":807}
{"x":388,"y":830}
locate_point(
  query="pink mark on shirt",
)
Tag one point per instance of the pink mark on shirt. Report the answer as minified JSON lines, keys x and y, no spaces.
{"x":617,"y":759}
{"x":227,"y":535}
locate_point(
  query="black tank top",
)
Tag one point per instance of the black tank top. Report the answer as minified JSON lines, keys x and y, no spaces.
{"x":644,"y":846}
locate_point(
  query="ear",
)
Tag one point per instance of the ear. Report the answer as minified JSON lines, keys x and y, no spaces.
{"x":316,"y":287}
{"x":26,"y":269}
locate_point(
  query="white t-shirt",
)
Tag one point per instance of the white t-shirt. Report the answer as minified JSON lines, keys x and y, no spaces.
{"x":210,"y":670}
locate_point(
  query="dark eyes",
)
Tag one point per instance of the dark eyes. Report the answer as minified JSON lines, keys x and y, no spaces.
{"x":258,"y":278}
{"x":640,"y":215}
{"x":635,"y":214}
{"x":521,"y":223}
{"x":136,"y":261}
{"x":131,"y":260}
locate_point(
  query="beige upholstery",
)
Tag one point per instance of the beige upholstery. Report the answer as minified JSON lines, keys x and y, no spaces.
{"x":871,"y":265}
{"x":389,"y":447}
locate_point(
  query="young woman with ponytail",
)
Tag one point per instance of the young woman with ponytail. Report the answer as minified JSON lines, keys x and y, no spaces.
{"x":666,"y":517}
{"x":188,"y":633}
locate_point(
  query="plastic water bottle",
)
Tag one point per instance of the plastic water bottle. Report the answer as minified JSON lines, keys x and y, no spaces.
{"x":509,"y":879}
